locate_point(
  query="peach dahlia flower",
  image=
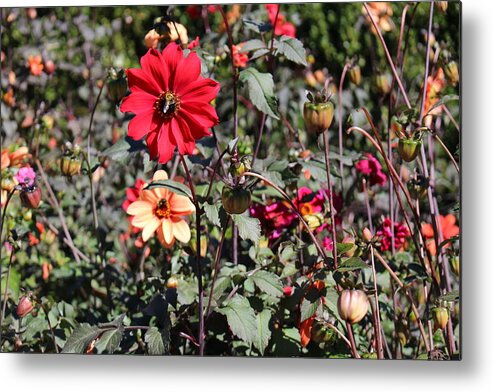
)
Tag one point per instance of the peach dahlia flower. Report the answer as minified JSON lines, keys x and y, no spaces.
{"x":162,"y":211}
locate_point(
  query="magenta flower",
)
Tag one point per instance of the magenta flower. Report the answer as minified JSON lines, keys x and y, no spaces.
{"x":26,"y":177}
{"x":371,"y":168}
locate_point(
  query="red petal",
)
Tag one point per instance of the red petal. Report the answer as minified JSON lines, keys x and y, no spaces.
{"x":166,"y":147}
{"x":141,"y":125}
{"x":189,"y":71}
{"x":204,"y":114}
{"x":202,"y":90}
{"x":138,"y":102}
{"x":171,"y":55}
{"x":138,"y":80}
{"x":153,"y":65}
{"x":182,"y":136}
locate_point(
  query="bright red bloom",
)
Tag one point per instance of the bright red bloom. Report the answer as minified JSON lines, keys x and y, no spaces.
{"x":240,"y":59}
{"x":370,"y":167}
{"x":449,"y":230}
{"x":171,"y":101}
{"x":282,"y":27}
{"x":401,"y":233}
{"x":194,"y":44}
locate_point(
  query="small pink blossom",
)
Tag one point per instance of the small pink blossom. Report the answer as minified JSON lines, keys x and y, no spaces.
{"x":26,"y":176}
{"x":371,"y":168}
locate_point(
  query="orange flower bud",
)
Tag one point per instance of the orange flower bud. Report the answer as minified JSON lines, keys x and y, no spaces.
{"x":25,"y":306}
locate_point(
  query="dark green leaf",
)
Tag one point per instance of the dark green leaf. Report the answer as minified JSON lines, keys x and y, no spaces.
{"x":248,"y":228}
{"x":263,"y":331}
{"x":252,"y":44}
{"x":267,"y":282}
{"x":260,"y":90}
{"x":122,"y":150}
{"x":109,"y":341}
{"x":81,"y":337}
{"x":154,"y":340}
{"x":291,"y":48}
{"x":173,"y":186}
{"x":308,"y":308}
{"x":258,"y":27}
{"x":351,"y":264}
{"x":241,"y":318}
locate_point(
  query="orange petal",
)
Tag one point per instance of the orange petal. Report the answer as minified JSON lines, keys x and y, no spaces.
{"x":427,"y":230}
{"x":140,"y":207}
{"x":150,"y":228}
{"x":181,"y":230}
{"x":167,"y":229}
{"x":181,"y":205}
{"x":150,"y":196}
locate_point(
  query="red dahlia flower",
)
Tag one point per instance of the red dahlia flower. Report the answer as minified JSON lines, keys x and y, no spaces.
{"x":171,"y":101}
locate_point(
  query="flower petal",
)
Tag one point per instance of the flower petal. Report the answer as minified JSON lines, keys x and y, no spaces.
{"x":142,"y":124}
{"x":165,"y":145}
{"x":153,"y":65}
{"x":150,"y":228}
{"x":202,"y":113}
{"x":167,"y":230}
{"x":181,"y":205}
{"x":181,"y":136}
{"x":172,"y":55}
{"x":138,"y":102}
{"x":189,"y":68}
{"x":202,"y":90}
{"x":139,"y":207}
{"x":139,"y":80}
{"x":181,"y":231}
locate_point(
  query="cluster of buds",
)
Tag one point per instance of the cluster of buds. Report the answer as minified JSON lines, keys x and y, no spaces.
{"x":352,"y":305}
{"x":70,"y":162}
{"x":116,"y":81}
{"x":318,"y":112}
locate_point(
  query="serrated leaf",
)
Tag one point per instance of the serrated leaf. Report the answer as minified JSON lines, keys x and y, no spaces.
{"x":122,"y":150}
{"x":241,"y":318}
{"x":352,"y":264}
{"x":268,"y":282}
{"x":274,"y":177}
{"x":291,"y":48}
{"x":344,"y":247}
{"x":173,"y":186}
{"x":309,"y":308}
{"x":81,"y":337}
{"x":109,"y":341}
{"x":248,"y":228}
{"x":263,"y":331}
{"x":252,"y":44}
{"x":212,"y":213}
{"x":154,"y":340}
{"x":260,"y":90}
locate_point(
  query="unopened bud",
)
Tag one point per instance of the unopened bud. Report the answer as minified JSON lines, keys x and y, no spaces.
{"x":352,"y":305}
{"x":25,"y":306}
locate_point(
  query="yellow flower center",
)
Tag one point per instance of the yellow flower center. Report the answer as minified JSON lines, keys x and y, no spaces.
{"x":167,"y":104}
{"x":162,"y":209}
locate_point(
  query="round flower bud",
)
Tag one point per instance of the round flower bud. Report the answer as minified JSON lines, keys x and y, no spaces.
{"x":318,"y":116}
{"x":235,"y":200}
{"x":442,"y":6}
{"x":409,"y":149}
{"x":352,"y":305}
{"x":172,"y":283}
{"x":382,"y":83}
{"x":440,"y":316}
{"x":31,"y":197}
{"x":455,"y":264}
{"x":70,"y":165}
{"x":355,"y":74}
{"x":117,"y":84}
{"x":25,"y":306}
{"x":367,"y":236}
{"x":451,"y":71}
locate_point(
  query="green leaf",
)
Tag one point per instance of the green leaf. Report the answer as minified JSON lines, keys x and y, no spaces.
{"x":267,"y":282}
{"x":154,"y":340}
{"x":123,"y":149}
{"x":344,"y":247}
{"x":241,"y":318}
{"x":451,"y":296}
{"x":443,"y":101}
{"x":248,"y":228}
{"x":351,"y":264}
{"x":81,"y":337}
{"x":212,"y":213}
{"x":309,"y":308}
{"x":263,"y":331}
{"x":116,"y":323}
{"x":260,"y":90}
{"x":291,"y":48}
{"x":173,"y":186}
{"x":109,"y":341}
{"x":252,"y":44}
{"x":258,"y":27}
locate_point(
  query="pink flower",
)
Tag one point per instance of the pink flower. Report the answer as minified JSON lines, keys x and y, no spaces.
{"x":26,"y":177}
{"x":327,"y":244}
{"x":171,"y":101}
{"x":371,"y":168}
{"x":401,"y":233}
